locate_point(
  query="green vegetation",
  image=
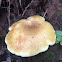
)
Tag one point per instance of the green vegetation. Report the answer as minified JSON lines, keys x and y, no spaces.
{"x":59,"y":36}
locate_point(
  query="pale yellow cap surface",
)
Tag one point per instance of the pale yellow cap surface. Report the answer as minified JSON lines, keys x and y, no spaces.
{"x":30,"y":36}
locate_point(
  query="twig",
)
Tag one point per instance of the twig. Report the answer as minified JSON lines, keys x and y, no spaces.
{"x":4,"y":7}
{"x":13,"y":16}
{"x":9,"y":13}
{"x":17,"y":6}
{"x":20,"y":2}
{"x":59,"y":25}
{"x":26,"y":8}
{"x":53,"y":12}
{"x":45,"y":13}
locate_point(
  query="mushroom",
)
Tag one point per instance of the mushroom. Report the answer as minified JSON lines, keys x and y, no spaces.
{"x":30,"y":36}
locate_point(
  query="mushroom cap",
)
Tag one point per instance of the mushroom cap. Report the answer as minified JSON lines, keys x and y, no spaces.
{"x":30,"y":36}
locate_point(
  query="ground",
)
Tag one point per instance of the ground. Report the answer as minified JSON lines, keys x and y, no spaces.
{"x":14,"y":10}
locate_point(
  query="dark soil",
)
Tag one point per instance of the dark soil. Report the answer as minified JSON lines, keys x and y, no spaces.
{"x":14,"y":10}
